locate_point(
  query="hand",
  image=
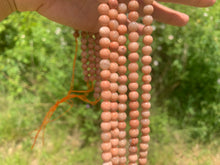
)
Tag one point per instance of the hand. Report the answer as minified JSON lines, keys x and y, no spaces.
{"x":83,"y":15}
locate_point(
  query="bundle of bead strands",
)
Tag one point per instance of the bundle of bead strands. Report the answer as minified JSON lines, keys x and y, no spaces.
{"x":104,"y":61}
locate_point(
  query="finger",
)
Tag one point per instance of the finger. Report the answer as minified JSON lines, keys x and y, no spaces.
{"x":196,"y":3}
{"x":169,"y":16}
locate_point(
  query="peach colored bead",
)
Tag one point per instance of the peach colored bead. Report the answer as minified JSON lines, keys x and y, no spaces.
{"x":106,"y":105}
{"x":146,"y":97}
{"x":105,"y":85}
{"x":104,"y":31}
{"x":122,"y":89}
{"x":103,"y":9}
{"x":134,"y":123}
{"x":147,"y":50}
{"x":113,"y":25}
{"x":114,"y":115}
{"x":114,"y":151}
{"x":105,"y":74}
{"x":146,"y":105}
{"x":106,"y":95}
{"x":133,"y":141}
{"x":122,"y":8}
{"x":133,"y":86}
{"x":122,"y":60}
{"x":114,"y":124}
{"x":133,"y":36}
{"x":121,"y":151}
{"x":133,"y":16}
{"x":133,"y":77}
{"x":146,"y":87}
{"x":104,"y":20}
{"x":145,"y":130}
{"x":133,"y":149}
{"x":105,"y":126}
{"x":132,"y":26}
{"x":122,"y":107}
{"x":146,"y":69}
{"x":106,"y":156}
{"x":133,"y":57}
{"x":133,"y":133}
{"x":113,"y":4}
{"x":122,"y":160}
{"x":133,"y":158}
{"x":122,"y":98}
{"x":114,"y":46}
{"x":114,"y":35}
{"x":147,"y":20}
{"x":133,"y":5}
{"x":122,"y":50}
{"x":134,"y":105}
{"x":115,"y":160}
{"x":147,"y":30}
{"x":115,"y":142}
{"x":145,"y":139}
{"x":146,"y":60}
{"x":122,"y":18}
{"x":134,"y":114}
{"x":104,"y":53}
{"x":114,"y":56}
{"x":122,"y":40}
{"x":123,"y":78}
{"x":104,"y":42}
{"x":122,"y":116}
{"x":145,"y":122}
{"x":113,"y":77}
{"x":143,"y":154}
{"x":145,"y":114}
{"x":122,"y":29}
{"x":133,"y":67}
{"x":104,"y":64}
{"x":142,"y":161}
{"x":133,"y":46}
{"x":122,"y":125}
{"x":114,"y":87}
{"x":106,"y":116}
{"x":144,"y":146}
{"x":146,"y":78}
{"x":113,"y":14}
{"x":148,"y":40}
{"x":115,"y":132}
{"x":114,"y":106}
{"x":148,"y":9}
{"x":106,"y":146}
{"x":106,"y":136}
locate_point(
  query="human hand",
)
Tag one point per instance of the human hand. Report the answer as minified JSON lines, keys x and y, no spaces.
{"x":83,"y":14}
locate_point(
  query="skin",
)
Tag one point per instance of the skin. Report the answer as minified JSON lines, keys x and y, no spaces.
{"x":83,"y":15}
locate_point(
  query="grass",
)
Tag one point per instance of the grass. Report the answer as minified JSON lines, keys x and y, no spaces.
{"x":63,"y":142}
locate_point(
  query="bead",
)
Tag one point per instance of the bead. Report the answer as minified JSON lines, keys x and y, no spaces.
{"x":122,"y":116}
{"x":113,"y":87}
{"x":106,"y":136}
{"x":106,"y":95}
{"x":106,"y":146}
{"x":122,"y":151}
{"x":122,"y":134}
{"x":114,"y":124}
{"x":113,"y":25}
{"x":133,"y":149}
{"x":148,"y":9}
{"x":113,"y":4}
{"x":114,"y":46}
{"x":134,"y":105}
{"x":106,"y":156}
{"x":104,"y":20}
{"x":133,"y":86}
{"x":122,"y":40}
{"x":132,"y":26}
{"x":122,"y":60}
{"x":146,"y":78}
{"x":122,"y":143}
{"x":134,"y":114}
{"x":122,"y":98}
{"x":106,"y":116}
{"x":114,"y":97}
{"x":146,"y":69}
{"x":122,"y":79}
{"x":133,"y":5}
{"x":114,"y":77}
{"x":122,"y":50}
{"x":105,"y":74}
{"x":104,"y":64}
{"x":122,"y":29}
{"x":145,"y":130}
{"x":133,"y":77}
{"x":122,"y":8}
{"x":133,"y":67}
{"x":115,"y":131}
{"x":104,"y":53}
{"x":144,"y":146}
{"x":115,"y":142}
{"x":133,"y":46}
{"x":143,"y":154}
{"x":106,"y":126}
{"x":106,"y":106}
{"x":145,"y":122}
{"x":122,"y":107}
{"x":133,"y":141}
{"x":122,"y":125}
{"x":113,"y":14}
{"x":146,"y":50}
{"x":104,"y":42}
{"x":104,"y":31}
{"x":114,"y":56}
{"x":133,"y":133}
{"x":133,"y":57}
{"x":133,"y":158}
{"x":146,"y":97}
{"x":133,"y":36}
{"x":114,"y":35}
{"x":134,"y":123}
{"x":133,"y":16}
{"x":122,"y":89}
{"x":142,"y":161}
{"x":123,"y":160}
{"x":148,"y":2}
{"x":146,"y":60}
{"x":122,"y":19}
{"x":114,"y":106}
{"x":146,"y":105}
{"x":148,"y":40}
{"x":145,"y":139}
{"x":147,"y":20}
{"x":145,"y":114}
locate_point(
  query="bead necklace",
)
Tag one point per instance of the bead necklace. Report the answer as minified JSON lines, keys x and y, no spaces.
{"x":105,"y":69}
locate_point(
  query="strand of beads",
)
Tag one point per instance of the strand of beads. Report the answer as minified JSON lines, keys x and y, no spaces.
{"x":91,"y":52}
{"x":97,"y":88}
{"x":146,"y":87}
{"x":113,"y":25}
{"x":133,"y":46}
{"x":122,"y":89}
{"x":105,"y":74}
{"x":84,"y":55}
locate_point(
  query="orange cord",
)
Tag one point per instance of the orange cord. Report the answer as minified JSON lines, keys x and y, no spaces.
{"x":67,"y":99}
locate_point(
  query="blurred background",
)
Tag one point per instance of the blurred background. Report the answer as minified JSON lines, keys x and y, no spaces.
{"x":35,"y":71}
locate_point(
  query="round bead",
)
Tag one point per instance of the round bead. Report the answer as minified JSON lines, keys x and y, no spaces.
{"x":142,"y":161}
{"x":145,"y":114}
{"x":104,"y":64}
{"x":144,"y":146}
{"x":106,"y":95}
{"x":133,"y":77}
{"x":145,"y":122}
{"x":113,"y":4}
{"x":133,"y":67}
{"x":113,"y":25}
{"x":104,"y":31}
{"x":133,"y":86}
{"x":133,"y":5}
{"x":114,"y":124}
{"x":133,"y":46}
{"x":148,"y":40}
{"x":122,"y":8}
{"x":147,"y":20}
{"x":104,"y":42}
{"x":122,"y":40}
{"x":104,"y":53}
{"x":146,"y":105}
{"x":114,"y":35}
{"x":122,"y":98}
{"x":146,"y":50}
{"x":122,"y":143}
{"x":132,"y":26}
{"x":133,"y":141}
{"x":106,"y":136}
{"x":114,"y":97}
{"x":133,"y":149}
{"x":122,"y":50}
{"x":122,"y":29}
{"x":106,"y":156}
{"x":148,"y":30}
{"x":106,"y":126}
{"x":145,"y":131}
{"x":133,"y":36}
{"x":146,"y":78}
{"x":106,"y":106}
{"x":122,"y":107}
{"x":114,"y":56}
{"x":104,"y":20}
{"x":106,"y":146}
{"x":106,"y":116}
{"x":146,"y":60}
{"x":133,"y":16}
{"x":122,"y":125}
{"x":122,"y":116}
{"x":133,"y":133}
{"x":133,"y":57}
{"x":145,"y":139}
{"x":122,"y":151}
{"x":114,"y":46}
{"x":123,"y":159}
{"x":115,"y":142}
{"x":148,"y":9}
{"x":122,"y":60}
{"x":122,"y":18}
{"x":123,"y":78}
{"x":114,"y":77}
{"x":134,"y":114}
{"x":122,"y":134}
{"x":132,"y":158}
{"x":105,"y":74}
{"x":143,"y":154}
{"x":134,"y":105}
{"x":134,"y":123}
{"x":122,"y":89}
{"x":113,"y":14}
{"x":146,"y":69}
{"x":146,"y":97}
{"x":113,"y":87}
